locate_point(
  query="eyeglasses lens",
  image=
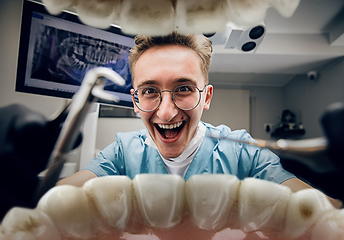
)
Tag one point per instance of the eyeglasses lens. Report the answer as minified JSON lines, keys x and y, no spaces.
{"x":185,"y":97}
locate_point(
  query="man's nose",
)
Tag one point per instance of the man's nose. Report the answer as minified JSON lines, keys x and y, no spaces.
{"x":167,"y":109}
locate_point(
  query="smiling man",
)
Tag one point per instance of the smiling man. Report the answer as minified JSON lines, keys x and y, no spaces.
{"x":171,"y":91}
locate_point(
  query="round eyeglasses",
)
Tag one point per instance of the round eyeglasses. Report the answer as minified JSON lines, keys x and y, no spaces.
{"x":185,"y":97}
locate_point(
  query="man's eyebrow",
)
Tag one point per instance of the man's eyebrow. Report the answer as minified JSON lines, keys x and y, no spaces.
{"x":147,"y":82}
{"x":184,"y":80}
{"x":187,"y":80}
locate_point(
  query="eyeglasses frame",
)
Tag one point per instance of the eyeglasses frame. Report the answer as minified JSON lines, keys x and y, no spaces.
{"x":172,"y":96}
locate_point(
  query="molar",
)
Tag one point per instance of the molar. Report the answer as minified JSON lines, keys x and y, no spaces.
{"x":160,"y":199}
{"x":27,"y":224}
{"x":305,"y":207}
{"x":112,"y":198}
{"x":330,"y":226}
{"x":263,"y":205}
{"x":210,"y":198}
{"x":68,"y":207}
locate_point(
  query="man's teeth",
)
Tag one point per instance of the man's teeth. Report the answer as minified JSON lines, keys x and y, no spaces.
{"x":159,"y":17}
{"x":170,"y":126}
{"x":207,"y":202}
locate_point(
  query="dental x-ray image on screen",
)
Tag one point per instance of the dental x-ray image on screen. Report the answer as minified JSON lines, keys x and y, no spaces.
{"x":57,"y":51}
{"x":65,"y":57}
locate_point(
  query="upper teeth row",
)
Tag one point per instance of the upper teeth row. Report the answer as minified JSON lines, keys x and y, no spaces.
{"x":170,"y":126}
{"x":211,"y":202}
{"x":159,"y":17}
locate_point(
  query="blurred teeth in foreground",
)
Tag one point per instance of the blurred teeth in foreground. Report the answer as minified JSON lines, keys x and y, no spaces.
{"x":208,"y":202}
{"x":160,"y":17}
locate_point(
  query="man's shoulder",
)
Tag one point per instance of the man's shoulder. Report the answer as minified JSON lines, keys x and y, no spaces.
{"x":129,"y":136}
{"x":224,"y":131}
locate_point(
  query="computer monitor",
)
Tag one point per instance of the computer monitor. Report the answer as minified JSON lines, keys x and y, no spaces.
{"x":55,"y":52}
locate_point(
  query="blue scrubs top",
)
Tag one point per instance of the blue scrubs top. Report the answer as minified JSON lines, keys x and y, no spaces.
{"x":130,"y":156}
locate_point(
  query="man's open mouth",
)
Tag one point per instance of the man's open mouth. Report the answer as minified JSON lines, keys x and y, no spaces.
{"x":169,"y":131}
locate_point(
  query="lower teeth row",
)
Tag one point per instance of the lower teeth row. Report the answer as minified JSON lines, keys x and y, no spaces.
{"x":209,"y":202}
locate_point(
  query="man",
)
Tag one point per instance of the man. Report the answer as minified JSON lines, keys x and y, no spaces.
{"x":171,"y":90}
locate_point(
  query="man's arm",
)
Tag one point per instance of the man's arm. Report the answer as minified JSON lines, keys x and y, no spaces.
{"x":296,"y":184}
{"x":77,"y":179}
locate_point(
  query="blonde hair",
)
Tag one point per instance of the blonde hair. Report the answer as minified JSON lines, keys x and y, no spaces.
{"x":199,"y":43}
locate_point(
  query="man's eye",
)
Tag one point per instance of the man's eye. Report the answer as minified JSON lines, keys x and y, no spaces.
{"x":185,"y":89}
{"x":149,"y":91}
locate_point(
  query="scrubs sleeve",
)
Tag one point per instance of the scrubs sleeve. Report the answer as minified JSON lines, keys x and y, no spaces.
{"x":265,"y":164}
{"x":108,"y":162}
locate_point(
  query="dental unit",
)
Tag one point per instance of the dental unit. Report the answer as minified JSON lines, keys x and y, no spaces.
{"x":166,"y":206}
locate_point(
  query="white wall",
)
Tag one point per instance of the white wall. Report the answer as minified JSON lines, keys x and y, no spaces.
{"x":230,"y":107}
{"x":312,"y":97}
{"x":267,"y":104}
{"x":108,"y":127}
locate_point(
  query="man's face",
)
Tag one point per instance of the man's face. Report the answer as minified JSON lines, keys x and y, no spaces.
{"x":166,"y":67}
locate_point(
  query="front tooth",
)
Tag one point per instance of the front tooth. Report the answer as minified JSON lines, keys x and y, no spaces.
{"x":149,"y":17}
{"x":263,"y":205}
{"x":305,"y":207}
{"x":210,"y":198}
{"x":68,"y":207}
{"x":112,"y":198}
{"x":201,"y":16}
{"x":330,"y":226}
{"x":160,"y":199}
{"x":22,"y":223}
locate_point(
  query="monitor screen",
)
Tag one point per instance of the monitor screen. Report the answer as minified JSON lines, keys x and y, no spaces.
{"x":55,"y":53}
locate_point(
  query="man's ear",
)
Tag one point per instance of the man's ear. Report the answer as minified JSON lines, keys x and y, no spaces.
{"x":136,"y":110}
{"x":208,"y":96}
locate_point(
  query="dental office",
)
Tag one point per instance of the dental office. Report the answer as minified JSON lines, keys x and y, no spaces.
{"x":255,"y":87}
{"x":296,"y":67}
